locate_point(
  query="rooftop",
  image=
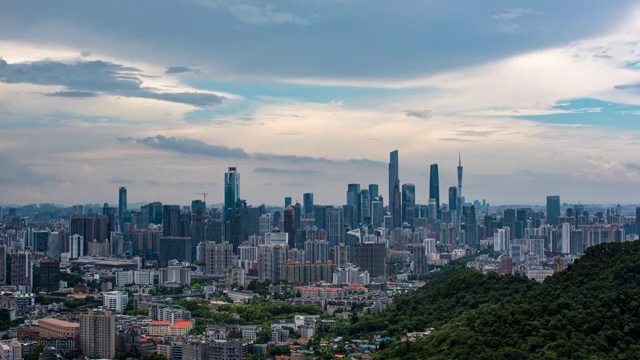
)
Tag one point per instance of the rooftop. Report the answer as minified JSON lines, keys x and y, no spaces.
{"x":57,"y":322}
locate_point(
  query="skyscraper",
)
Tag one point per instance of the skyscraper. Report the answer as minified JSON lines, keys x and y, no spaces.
{"x":553,"y":209}
{"x":393,"y":173}
{"x":174,"y":248}
{"x":471,"y":227}
{"x":22,"y":270}
{"x":364,"y":205}
{"x":408,"y":201}
{"x":122,"y":207}
{"x":434,"y":185}
{"x":396,"y":207}
{"x":453,"y":198}
{"x":460,"y":176}
{"x":290,"y":225}
{"x":307,"y":201}
{"x":170,"y":220}
{"x":287,"y":201}
{"x":335,"y":227}
{"x":373,"y":191}
{"x":97,"y":335}
{"x":49,"y":275}
{"x":353,"y":192}
{"x":198,"y":210}
{"x":231,"y":192}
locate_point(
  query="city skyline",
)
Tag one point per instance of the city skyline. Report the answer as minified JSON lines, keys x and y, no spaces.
{"x":532,"y":100}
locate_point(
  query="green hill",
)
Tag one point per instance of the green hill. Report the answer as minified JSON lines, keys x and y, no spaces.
{"x":589,"y":311}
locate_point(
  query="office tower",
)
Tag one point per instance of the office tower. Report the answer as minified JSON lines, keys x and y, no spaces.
{"x":373,"y":191}
{"x":396,"y":207}
{"x":97,"y":335}
{"x":377,"y":213}
{"x":394,"y":179}
{"x":170,"y":220}
{"x":307,"y":200}
{"x":335,"y":226}
{"x":49,"y":275}
{"x":290,"y":225}
{"x":408,"y":201}
{"x":214,"y":231}
{"x":231,"y":193}
{"x":553,"y":210}
{"x":638,"y":220}
{"x":434,"y":185}
{"x":453,"y":198}
{"x":197,"y":230}
{"x":122,"y":206}
{"x":500,"y":240}
{"x":3,"y":265}
{"x":40,"y":241}
{"x":174,"y":248}
{"x":509,"y":219}
{"x":353,"y":192}
{"x":22,"y":270}
{"x":364,"y":204}
{"x":320,"y":216}
{"x":471,"y":227}
{"x":460,"y":177}
{"x":297,"y":215}
{"x":371,"y":257}
{"x":287,"y":201}
{"x":155,"y":213}
{"x":218,"y":258}
{"x":110,"y":214}
{"x":234,"y":230}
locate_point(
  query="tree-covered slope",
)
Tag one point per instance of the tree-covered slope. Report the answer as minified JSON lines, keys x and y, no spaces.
{"x":589,"y":311}
{"x":448,"y":293}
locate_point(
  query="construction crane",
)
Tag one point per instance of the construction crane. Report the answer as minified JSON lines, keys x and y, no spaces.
{"x":204,"y":194}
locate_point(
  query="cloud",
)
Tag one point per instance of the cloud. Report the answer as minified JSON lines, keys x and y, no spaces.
{"x":82,"y":79}
{"x":119,"y":180}
{"x":257,"y":15}
{"x":475,"y":133}
{"x":189,"y":146}
{"x":74,"y":94}
{"x":510,"y":14}
{"x":15,"y":173}
{"x":420,"y":114}
{"x":180,"y":70}
{"x":282,"y":171}
{"x":450,"y":139}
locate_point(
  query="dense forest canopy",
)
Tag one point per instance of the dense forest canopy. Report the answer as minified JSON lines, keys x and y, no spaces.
{"x":589,"y":311}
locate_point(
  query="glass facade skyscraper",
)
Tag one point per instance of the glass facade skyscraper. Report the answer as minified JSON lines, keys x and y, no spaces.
{"x":434,"y":185}
{"x":394,"y":179}
{"x":231,"y":192}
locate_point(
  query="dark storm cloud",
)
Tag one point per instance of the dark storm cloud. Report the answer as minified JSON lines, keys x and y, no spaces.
{"x":83,"y":79}
{"x":196,"y":147}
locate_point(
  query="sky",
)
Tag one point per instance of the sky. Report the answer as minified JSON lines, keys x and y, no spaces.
{"x":161,"y":96}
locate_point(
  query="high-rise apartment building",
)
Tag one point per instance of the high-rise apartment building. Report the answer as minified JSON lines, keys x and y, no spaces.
{"x":97,"y":335}
{"x":22,"y":270}
{"x":218,"y":257}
